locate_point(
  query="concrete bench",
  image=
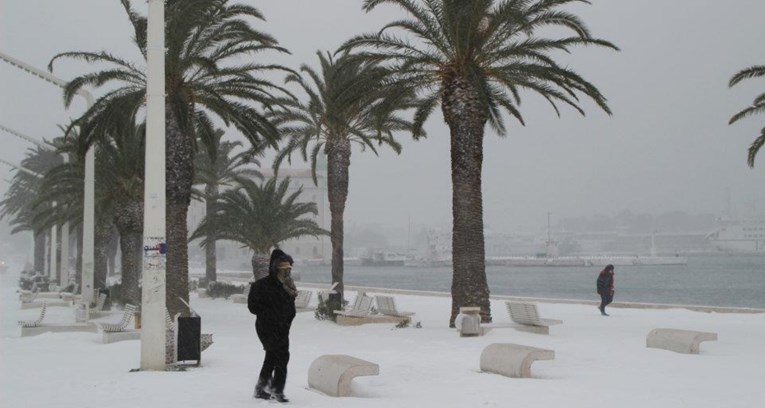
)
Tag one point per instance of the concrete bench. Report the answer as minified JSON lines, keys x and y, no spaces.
{"x":332,"y":373}
{"x":680,"y":341}
{"x":113,"y":337}
{"x":526,"y":317}
{"x":512,"y":360}
{"x":238,"y":298}
{"x":59,"y":328}
{"x":54,"y":303}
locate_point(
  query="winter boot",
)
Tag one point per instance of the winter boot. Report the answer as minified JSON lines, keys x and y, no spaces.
{"x":603,"y":312}
{"x":279,"y":396}
{"x":262,"y":390}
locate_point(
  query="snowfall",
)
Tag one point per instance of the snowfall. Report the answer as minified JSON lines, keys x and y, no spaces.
{"x":599,"y":361}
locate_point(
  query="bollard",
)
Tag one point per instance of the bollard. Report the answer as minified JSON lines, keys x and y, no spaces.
{"x":468,"y":321}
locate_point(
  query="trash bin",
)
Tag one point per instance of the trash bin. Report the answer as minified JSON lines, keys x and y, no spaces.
{"x":189,"y":332}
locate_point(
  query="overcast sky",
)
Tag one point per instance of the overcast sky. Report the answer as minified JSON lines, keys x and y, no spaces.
{"x":667,"y":147}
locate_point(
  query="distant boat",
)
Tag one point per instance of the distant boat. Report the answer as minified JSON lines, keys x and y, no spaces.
{"x":383,"y":259}
{"x":739,"y":236}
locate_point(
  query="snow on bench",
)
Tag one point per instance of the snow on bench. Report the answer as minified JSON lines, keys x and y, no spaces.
{"x":527,"y":317}
{"x":332,"y":373}
{"x":512,"y":360}
{"x":677,"y":340}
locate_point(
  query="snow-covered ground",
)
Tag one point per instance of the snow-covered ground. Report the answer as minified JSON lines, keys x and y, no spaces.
{"x":599,"y":362}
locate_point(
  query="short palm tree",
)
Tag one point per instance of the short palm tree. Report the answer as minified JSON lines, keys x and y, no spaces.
{"x":348,"y":101}
{"x":205,"y":76}
{"x":260,"y":216}
{"x":757,"y":107}
{"x":218,"y":166}
{"x":473,"y":58}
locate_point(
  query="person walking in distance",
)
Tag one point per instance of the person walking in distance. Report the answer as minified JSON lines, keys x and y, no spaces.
{"x":272,"y":300}
{"x":605,"y":287}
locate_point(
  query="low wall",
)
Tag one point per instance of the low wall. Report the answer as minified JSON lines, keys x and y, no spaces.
{"x":632,"y":305}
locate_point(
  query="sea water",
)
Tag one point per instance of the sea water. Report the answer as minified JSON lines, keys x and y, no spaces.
{"x":732,"y":281}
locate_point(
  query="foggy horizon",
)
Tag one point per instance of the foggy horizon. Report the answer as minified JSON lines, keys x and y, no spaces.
{"x":667,"y":147}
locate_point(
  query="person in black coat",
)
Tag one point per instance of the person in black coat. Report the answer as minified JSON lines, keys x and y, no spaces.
{"x":272,"y":300}
{"x":605,"y":286}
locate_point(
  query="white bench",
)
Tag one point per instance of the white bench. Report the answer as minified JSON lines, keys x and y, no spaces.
{"x":303,"y":299}
{"x":677,"y":340}
{"x":527,"y":318}
{"x":35,"y":323}
{"x":332,"y":373}
{"x":35,"y":327}
{"x":512,"y":360}
{"x":238,"y":298}
{"x":387,"y":306}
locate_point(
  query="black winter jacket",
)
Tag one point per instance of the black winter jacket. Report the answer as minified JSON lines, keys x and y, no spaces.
{"x":605,"y":283}
{"x":275,"y":310}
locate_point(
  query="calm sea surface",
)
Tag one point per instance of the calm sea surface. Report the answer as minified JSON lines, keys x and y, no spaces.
{"x":735,"y":281}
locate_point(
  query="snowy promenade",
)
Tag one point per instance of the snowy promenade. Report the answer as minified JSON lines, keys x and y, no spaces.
{"x":599,"y":362}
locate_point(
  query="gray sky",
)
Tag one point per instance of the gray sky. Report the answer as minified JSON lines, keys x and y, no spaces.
{"x":667,"y":147}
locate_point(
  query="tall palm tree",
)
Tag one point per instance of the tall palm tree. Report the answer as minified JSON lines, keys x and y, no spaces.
{"x":474,"y":58}
{"x":348,"y":101}
{"x":757,"y":107}
{"x":118,"y":196}
{"x":259,"y":216}
{"x":217,"y":166}
{"x":122,"y":156}
{"x":206,"y":42}
{"x":21,"y":204}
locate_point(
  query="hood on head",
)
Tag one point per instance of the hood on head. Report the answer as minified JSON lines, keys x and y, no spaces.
{"x":278,"y":256}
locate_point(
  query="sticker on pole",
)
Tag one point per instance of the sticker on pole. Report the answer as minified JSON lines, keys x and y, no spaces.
{"x":154,"y":253}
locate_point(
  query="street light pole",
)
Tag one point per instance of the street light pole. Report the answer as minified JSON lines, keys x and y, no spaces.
{"x":88,"y":212}
{"x":153,"y":345}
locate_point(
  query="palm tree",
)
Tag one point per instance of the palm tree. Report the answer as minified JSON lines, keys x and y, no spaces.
{"x":349,"y":101}
{"x":206,"y":41}
{"x":122,"y":173}
{"x":21,"y":200}
{"x":758,"y":106}
{"x":259,"y":216}
{"x":217,"y":166}
{"x":118,"y":195}
{"x":474,"y":58}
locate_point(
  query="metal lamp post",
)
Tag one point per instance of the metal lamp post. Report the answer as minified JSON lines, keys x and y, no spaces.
{"x":153,"y":347}
{"x":88,"y":215}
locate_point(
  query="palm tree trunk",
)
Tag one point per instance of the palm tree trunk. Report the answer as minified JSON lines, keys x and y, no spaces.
{"x":260,"y":265}
{"x":39,"y":251}
{"x":129,"y":222}
{"x":103,"y":234}
{"x":179,"y":168}
{"x":211,"y":258}
{"x":338,"y":162}
{"x":466,"y":122}
{"x":111,"y":250}
{"x":78,"y":258}
{"x":57,"y":254}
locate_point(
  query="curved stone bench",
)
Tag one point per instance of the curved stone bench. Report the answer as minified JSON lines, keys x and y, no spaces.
{"x":512,"y":360}
{"x":332,"y":373}
{"x":680,"y":341}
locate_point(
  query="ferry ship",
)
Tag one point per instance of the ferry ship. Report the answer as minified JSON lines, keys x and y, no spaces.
{"x":739,"y":236}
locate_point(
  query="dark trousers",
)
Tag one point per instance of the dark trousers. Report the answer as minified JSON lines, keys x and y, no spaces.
{"x":605,"y":300}
{"x":275,"y":369}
